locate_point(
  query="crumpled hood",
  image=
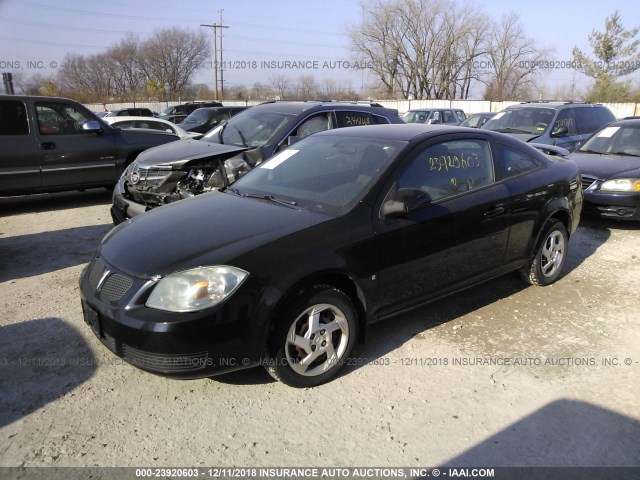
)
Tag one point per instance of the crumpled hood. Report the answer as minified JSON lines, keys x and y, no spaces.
{"x":176,"y":154}
{"x":210,"y":229}
{"x":607,"y":166}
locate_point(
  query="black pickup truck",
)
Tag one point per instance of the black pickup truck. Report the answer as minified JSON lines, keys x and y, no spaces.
{"x":50,"y":144}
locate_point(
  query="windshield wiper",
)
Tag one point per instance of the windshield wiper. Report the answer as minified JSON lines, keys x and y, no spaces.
{"x":626,"y":154}
{"x":271,"y":198}
{"x":592,"y":151}
{"x":513,"y":130}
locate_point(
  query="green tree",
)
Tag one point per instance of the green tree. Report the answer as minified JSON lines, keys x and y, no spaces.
{"x":616,"y":55}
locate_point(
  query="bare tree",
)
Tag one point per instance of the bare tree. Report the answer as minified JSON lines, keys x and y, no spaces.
{"x":280,"y":84}
{"x":127,"y":76}
{"x":512,"y":59}
{"x":306,"y":87}
{"x":421,"y":48}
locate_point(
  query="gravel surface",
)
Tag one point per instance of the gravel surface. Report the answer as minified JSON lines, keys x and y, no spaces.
{"x":503,"y":374}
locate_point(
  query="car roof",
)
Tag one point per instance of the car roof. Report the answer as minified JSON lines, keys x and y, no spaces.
{"x":553,"y":105}
{"x":404,"y":133}
{"x":125,"y":118}
{"x":295,"y":107}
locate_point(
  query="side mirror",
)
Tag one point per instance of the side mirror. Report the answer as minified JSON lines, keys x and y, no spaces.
{"x":559,"y":131}
{"x":407,"y":200}
{"x":92,"y":126}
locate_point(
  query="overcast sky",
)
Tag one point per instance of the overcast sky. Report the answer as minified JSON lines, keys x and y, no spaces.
{"x":36,"y":34}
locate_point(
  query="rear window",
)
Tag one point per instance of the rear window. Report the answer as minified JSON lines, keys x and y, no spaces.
{"x":13,"y":118}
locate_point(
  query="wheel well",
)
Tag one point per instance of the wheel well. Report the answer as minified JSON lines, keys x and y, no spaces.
{"x":131,"y":157}
{"x":338,"y":281}
{"x":563,"y":217}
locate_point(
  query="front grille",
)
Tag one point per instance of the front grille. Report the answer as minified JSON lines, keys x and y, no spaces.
{"x":114,"y":287}
{"x":587,"y":181}
{"x":165,"y":363}
{"x":95,"y":274}
{"x":150,"y":177}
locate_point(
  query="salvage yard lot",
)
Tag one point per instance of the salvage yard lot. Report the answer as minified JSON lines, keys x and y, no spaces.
{"x":502,"y":374}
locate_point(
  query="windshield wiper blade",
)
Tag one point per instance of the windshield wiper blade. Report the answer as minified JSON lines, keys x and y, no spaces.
{"x":271,"y":198}
{"x":513,"y":130}
{"x":626,"y":154}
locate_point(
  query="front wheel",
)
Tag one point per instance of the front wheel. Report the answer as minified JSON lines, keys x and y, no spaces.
{"x":314,"y":336}
{"x":545,"y":267}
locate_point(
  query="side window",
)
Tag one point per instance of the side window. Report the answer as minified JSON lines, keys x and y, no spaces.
{"x":448,"y":116}
{"x":379,"y":120}
{"x":435,"y":117}
{"x":514,"y":162}
{"x":125,"y":124}
{"x":13,"y":118}
{"x":60,"y":119}
{"x":315,"y":124}
{"x":566,"y":119}
{"x":461,"y":116}
{"x":353,"y":119}
{"x":449,"y":168}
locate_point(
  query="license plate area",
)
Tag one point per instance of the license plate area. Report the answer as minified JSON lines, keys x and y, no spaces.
{"x":92,"y":319}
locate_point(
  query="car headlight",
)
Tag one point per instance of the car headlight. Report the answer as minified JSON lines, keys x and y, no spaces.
{"x":195,"y":289}
{"x":621,"y":185}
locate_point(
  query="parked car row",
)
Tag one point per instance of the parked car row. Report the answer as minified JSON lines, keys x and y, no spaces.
{"x":288,"y":266}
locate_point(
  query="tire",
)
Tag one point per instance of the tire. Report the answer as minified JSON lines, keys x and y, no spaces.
{"x":305,"y":353}
{"x":546,"y":266}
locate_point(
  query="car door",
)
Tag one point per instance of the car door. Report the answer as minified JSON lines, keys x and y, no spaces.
{"x":69,"y":155}
{"x":572,"y":138}
{"x":456,"y":238}
{"x":526,"y":179}
{"x":20,"y":153}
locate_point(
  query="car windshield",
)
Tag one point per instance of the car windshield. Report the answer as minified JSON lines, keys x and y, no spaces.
{"x":614,"y":140}
{"x":416,"y":117}
{"x":323,"y":174}
{"x":251,"y":128}
{"x":199,"y":116}
{"x":531,"y":120}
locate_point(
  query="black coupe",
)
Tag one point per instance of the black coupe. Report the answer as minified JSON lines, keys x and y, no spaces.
{"x":288,"y":266}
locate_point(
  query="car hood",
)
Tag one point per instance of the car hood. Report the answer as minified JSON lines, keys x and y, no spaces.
{"x":607,"y":166}
{"x":210,"y":229}
{"x":176,"y":154}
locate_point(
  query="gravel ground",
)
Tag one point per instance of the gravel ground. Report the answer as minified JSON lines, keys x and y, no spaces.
{"x":503,"y":374}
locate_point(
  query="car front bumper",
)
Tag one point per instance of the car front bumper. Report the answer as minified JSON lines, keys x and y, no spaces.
{"x":124,"y":208}
{"x":618,"y":206}
{"x":179,"y":345}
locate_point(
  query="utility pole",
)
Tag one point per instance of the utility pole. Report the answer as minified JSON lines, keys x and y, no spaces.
{"x":215,"y":27}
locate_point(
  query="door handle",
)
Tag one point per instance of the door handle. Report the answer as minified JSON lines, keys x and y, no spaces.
{"x":494,"y":211}
{"x":47,"y":146}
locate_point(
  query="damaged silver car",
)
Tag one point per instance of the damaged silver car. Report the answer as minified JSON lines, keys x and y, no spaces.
{"x":191,"y":167}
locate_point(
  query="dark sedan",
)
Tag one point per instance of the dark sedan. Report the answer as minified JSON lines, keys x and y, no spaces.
{"x":610,"y":166}
{"x":287,"y":267}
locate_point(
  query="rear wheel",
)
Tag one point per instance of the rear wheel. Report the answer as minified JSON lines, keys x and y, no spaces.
{"x":314,"y":336}
{"x":545,"y":267}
